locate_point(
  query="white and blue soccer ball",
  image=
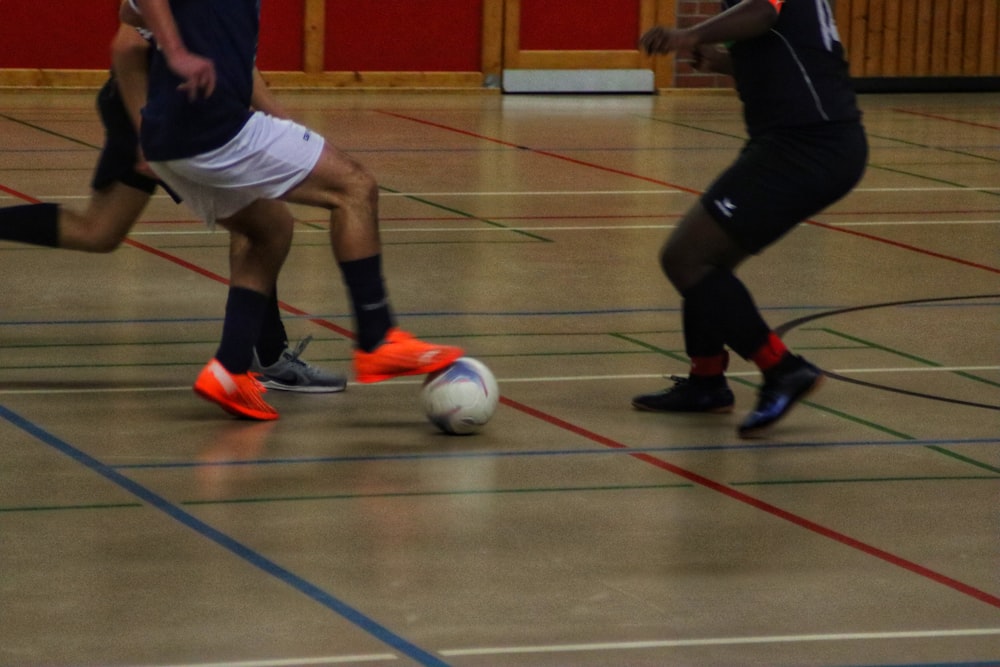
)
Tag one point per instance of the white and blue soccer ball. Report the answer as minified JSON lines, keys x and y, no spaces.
{"x":460,"y":398}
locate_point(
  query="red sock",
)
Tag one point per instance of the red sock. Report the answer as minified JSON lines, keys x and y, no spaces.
{"x":770,"y":353}
{"x":710,"y":366}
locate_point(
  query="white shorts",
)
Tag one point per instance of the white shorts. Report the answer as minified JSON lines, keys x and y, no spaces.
{"x":266,"y":160}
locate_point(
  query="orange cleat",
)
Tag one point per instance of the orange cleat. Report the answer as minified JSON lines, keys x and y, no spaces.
{"x":237,"y":394}
{"x":402,"y":354}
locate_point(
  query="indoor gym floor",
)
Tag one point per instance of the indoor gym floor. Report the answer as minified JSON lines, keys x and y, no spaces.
{"x":140,"y":525}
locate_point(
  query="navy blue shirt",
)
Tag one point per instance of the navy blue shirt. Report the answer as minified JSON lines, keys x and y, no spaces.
{"x":796,"y":73}
{"x":224,"y":31}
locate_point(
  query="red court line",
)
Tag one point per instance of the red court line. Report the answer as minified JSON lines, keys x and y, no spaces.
{"x":922,"y":114}
{"x":869,"y":237}
{"x":700,"y":480}
{"x":756,"y":503}
{"x":347,"y":333}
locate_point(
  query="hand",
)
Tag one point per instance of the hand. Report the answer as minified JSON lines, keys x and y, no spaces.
{"x":198,"y":73}
{"x":711,"y":58}
{"x":662,"y":40}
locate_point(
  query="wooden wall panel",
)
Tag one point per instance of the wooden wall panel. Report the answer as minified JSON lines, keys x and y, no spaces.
{"x":920,"y":38}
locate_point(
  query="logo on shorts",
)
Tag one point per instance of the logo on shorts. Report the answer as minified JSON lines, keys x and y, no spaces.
{"x":306,"y":136}
{"x":726,"y":206}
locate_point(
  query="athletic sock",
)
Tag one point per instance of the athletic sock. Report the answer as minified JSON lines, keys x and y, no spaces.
{"x":770,"y":353}
{"x":244,"y":314}
{"x":710,"y":367}
{"x":702,"y":341}
{"x":37,"y":224}
{"x":273,"y":338}
{"x":372,"y":314}
{"x":733,"y":315}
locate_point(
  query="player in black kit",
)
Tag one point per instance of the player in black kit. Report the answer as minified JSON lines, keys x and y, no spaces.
{"x":806,"y":149}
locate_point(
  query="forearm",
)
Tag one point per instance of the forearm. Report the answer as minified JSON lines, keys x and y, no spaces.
{"x":749,"y":18}
{"x":263,"y":100}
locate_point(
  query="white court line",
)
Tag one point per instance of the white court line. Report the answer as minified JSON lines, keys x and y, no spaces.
{"x":617,"y":646}
{"x":574,"y":193}
{"x":501,"y":380}
{"x":551,"y":228}
{"x":722,"y":641}
{"x":292,"y":662}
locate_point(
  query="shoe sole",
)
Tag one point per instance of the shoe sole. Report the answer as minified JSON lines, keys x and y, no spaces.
{"x":369,"y":378}
{"x":721,"y":410}
{"x":760,"y":431}
{"x":235,"y":411}
{"x":304,"y":389}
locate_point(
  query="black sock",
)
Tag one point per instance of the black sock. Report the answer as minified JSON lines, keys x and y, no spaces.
{"x":731,"y":310}
{"x":37,"y":224}
{"x":244,"y":314}
{"x":372,"y":315}
{"x":273,"y":338}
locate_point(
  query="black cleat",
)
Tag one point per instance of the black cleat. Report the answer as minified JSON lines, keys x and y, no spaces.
{"x":689,"y":395}
{"x":783,"y":387}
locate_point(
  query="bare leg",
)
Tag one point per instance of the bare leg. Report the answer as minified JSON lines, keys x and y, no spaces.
{"x":262,"y":237}
{"x":350,"y":192}
{"x":109,"y":217}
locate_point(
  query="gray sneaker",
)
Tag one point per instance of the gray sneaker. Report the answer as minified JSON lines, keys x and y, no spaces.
{"x":290,"y":373}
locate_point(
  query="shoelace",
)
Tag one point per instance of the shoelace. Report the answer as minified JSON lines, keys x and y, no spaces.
{"x":294,"y":355}
{"x":306,"y":369}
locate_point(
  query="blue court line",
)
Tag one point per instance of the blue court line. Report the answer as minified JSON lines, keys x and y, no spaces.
{"x":352,"y":615}
{"x":472,"y":313}
{"x":629,"y":451}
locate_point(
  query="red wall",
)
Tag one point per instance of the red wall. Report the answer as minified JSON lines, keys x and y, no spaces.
{"x":403,"y":35}
{"x":281,"y":36}
{"x":589,"y":25}
{"x":57,"y":34}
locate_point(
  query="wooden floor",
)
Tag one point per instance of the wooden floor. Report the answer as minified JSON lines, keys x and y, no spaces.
{"x":140,"y":525}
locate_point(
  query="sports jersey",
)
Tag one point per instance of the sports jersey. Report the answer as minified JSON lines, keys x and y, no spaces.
{"x":224,"y":31}
{"x":795,"y":74}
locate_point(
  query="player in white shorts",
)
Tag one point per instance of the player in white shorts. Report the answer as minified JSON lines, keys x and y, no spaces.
{"x":233,"y":167}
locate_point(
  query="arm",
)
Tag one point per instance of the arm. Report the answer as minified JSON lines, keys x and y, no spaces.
{"x":262,"y":100}
{"x":129,"y":59}
{"x":749,"y":18}
{"x":197,"y":72}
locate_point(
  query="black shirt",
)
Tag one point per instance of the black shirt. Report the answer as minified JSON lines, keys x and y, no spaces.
{"x":224,"y":31}
{"x":796,"y":73}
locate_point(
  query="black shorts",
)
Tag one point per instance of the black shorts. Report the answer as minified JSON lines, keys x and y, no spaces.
{"x":782,"y":178}
{"x":121,"y":144}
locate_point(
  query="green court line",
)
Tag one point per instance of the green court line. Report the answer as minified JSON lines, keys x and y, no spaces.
{"x":62,"y":508}
{"x":838,"y":413}
{"x":962,"y":458}
{"x":893,"y":170}
{"x":866,"y":480}
{"x":501,"y":492}
{"x":906,"y":355}
{"x":468,"y":216}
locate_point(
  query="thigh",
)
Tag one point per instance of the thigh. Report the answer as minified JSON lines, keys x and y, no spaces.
{"x":780,"y":180}
{"x":335,"y":179}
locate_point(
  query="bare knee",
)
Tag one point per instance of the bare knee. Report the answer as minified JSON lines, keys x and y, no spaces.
{"x":360,"y":184}
{"x":682,"y":267}
{"x":92,"y":232}
{"x":104,"y":239}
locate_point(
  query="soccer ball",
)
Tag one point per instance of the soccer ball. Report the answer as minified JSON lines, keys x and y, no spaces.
{"x":460,"y":398}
